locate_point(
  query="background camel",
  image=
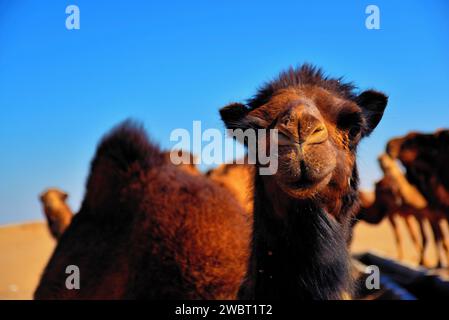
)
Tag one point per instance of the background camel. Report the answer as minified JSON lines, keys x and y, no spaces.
{"x":386,"y":202}
{"x":396,"y":197}
{"x":149,"y":229}
{"x":302,"y":213}
{"x":425,"y":158}
{"x":56,"y":211}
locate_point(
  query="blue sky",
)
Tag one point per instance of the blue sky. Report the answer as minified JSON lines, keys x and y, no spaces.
{"x":169,"y":64}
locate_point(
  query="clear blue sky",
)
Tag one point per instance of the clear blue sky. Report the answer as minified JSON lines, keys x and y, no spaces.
{"x":169,"y":64}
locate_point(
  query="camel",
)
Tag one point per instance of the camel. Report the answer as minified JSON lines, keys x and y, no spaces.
{"x":386,"y":202}
{"x":56,"y":211}
{"x":425,"y":158}
{"x":303,"y":212}
{"x":148,"y":229}
{"x":410,"y":204}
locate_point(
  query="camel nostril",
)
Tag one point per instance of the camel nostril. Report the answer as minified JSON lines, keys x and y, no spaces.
{"x":318,"y":130}
{"x":318,"y":135}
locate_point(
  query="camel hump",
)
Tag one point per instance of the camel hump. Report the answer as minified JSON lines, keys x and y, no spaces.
{"x":126,"y":145}
{"x":122,"y":155}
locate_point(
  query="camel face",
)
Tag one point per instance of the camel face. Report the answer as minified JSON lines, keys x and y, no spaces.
{"x":320,"y":123}
{"x":307,"y":154}
{"x":53,"y":198}
{"x":56,"y":211}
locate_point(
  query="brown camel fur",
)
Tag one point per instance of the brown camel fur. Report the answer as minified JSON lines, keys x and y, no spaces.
{"x":188,"y":165}
{"x":238,"y":179}
{"x":56,"y":211}
{"x":425,"y":158}
{"x":303,"y":213}
{"x":149,"y":230}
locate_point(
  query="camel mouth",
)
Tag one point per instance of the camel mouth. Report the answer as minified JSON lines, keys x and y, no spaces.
{"x":306,"y":187}
{"x":304,"y":183}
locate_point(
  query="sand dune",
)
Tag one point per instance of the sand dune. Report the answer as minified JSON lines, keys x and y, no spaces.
{"x":25,"y":249}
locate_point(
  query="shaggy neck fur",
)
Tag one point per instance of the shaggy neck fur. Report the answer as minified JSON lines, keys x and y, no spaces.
{"x":299,"y":251}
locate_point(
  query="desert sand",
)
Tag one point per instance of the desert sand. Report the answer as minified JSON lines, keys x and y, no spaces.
{"x":25,"y":249}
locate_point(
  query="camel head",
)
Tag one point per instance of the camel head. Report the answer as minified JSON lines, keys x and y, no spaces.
{"x":53,"y":198}
{"x":320,"y":122}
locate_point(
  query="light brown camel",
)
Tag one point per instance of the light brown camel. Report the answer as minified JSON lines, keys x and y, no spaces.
{"x":303,"y":212}
{"x":56,"y":211}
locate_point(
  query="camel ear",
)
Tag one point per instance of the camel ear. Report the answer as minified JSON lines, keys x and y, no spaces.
{"x":64,"y":196}
{"x":236,"y":116}
{"x":373,"y":104}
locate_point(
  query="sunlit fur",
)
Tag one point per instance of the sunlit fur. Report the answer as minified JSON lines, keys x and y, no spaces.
{"x":149,"y":230}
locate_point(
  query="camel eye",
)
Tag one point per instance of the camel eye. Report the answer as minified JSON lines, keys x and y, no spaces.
{"x":350,"y":122}
{"x":318,"y":130}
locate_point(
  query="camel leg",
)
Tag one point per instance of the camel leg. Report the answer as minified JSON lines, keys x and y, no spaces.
{"x":413,"y":233}
{"x":397,"y":236}
{"x":444,"y":229}
{"x":446,"y":251}
{"x":437,"y":234}
{"x":422,"y":261}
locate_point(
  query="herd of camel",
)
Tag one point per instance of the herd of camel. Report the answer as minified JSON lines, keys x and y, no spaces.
{"x":421,"y":194}
{"x":149,"y":229}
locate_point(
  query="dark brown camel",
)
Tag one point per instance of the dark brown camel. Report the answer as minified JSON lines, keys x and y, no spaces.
{"x":303,"y":213}
{"x":56,"y":211}
{"x":149,"y":230}
{"x":425,"y":158}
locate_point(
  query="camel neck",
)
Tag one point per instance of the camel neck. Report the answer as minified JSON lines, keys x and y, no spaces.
{"x":301,"y":256}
